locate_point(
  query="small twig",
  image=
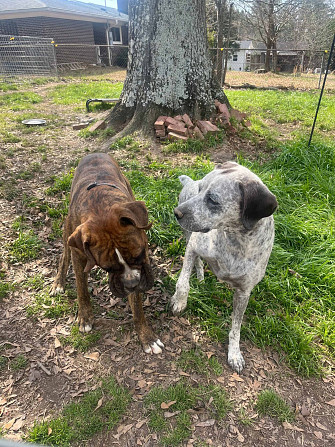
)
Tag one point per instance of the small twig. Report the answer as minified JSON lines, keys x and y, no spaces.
{"x":44,"y":368}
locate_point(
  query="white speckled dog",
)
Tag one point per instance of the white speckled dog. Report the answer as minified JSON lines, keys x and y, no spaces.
{"x":228,"y":222}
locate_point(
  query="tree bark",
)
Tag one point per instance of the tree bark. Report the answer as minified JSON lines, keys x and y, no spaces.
{"x":221,"y":9}
{"x":169,"y":69}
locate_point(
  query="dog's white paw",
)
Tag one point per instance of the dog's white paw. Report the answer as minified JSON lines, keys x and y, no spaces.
{"x":86,"y":327}
{"x":154,"y":348}
{"x":56,"y":290}
{"x":236,"y":361}
{"x":177,"y":304}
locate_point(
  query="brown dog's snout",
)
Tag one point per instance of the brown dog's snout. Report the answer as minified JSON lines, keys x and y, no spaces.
{"x":178,"y":213}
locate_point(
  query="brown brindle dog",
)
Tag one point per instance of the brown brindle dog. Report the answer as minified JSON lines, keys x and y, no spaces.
{"x":105,"y":227}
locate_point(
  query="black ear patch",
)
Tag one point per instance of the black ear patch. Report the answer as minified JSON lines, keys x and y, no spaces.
{"x":257,"y":202}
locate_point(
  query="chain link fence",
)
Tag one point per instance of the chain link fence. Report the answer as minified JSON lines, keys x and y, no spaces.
{"x":35,"y":56}
{"x":281,"y":61}
{"x":20,"y":55}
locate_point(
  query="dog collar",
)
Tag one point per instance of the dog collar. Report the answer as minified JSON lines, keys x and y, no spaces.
{"x":93,"y":185}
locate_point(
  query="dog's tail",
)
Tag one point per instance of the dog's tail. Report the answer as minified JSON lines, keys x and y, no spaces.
{"x":184,"y":179}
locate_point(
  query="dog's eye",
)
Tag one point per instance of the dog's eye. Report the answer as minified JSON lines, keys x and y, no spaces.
{"x":212,"y":200}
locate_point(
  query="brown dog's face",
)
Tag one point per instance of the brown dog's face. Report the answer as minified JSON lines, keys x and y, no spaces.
{"x":119,"y":245}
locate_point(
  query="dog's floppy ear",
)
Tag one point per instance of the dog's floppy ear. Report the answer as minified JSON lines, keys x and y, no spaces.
{"x":136,"y":214}
{"x":80,"y":239}
{"x":257,"y":202}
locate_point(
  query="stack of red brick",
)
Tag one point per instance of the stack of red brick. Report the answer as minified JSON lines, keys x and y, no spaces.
{"x":181,"y":127}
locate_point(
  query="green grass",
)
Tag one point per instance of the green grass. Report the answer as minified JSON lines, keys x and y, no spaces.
{"x":3,"y":362}
{"x":35,"y":282}
{"x":293,"y":107}
{"x":196,"y":361}
{"x":176,"y":429}
{"x":19,"y":362}
{"x":61,"y":183}
{"x":78,"y":93}
{"x":5,"y":289}
{"x":269,"y":403}
{"x":19,"y":100}
{"x":80,"y":341}
{"x":195,"y":146}
{"x":25,"y":247}
{"x":44,"y":305}
{"x":7,"y":86}
{"x":97,"y":410}
{"x":160,"y":192}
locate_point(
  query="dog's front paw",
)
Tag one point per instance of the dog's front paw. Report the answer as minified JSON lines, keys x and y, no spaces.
{"x":155,"y":347}
{"x":85,"y":323}
{"x":236,"y":361}
{"x":56,"y":289}
{"x":178,"y":304}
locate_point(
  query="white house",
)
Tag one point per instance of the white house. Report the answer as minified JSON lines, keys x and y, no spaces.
{"x":241,"y":58}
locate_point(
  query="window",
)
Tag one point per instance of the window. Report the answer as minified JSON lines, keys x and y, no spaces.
{"x":234,"y":57}
{"x":115,"y":35}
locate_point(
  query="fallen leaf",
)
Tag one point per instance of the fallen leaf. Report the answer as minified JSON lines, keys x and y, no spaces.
{"x":209,"y":354}
{"x":207,"y":423}
{"x":240,"y":437}
{"x":168,"y":415}
{"x":49,"y":431}
{"x":304,"y":410}
{"x":318,"y":434}
{"x":99,"y":404}
{"x":9,"y":424}
{"x":165,"y":406}
{"x":236,"y":377}
{"x":321,"y":426}
{"x":140,"y":423}
{"x":220,"y":379}
{"x":122,"y":430}
{"x":142,"y":383}
{"x":57,"y":343}
{"x":331,"y":402}
{"x":93,"y":356}
{"x":18,"y":424}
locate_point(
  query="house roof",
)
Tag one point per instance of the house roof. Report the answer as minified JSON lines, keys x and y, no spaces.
{"x":20,"y":8}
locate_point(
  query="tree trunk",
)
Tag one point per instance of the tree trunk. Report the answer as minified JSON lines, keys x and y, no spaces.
{"x":169,"y":69}
{"x":270,"y":37}
{"x":221,"y":9}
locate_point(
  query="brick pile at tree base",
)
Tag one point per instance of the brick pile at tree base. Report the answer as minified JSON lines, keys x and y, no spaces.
{"x":182,"y":128}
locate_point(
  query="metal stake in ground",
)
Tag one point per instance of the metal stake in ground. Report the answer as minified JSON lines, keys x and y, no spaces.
{"x":323,"y":86}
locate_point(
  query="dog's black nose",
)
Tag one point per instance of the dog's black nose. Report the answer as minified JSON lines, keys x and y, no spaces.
{"x":178,"y":213}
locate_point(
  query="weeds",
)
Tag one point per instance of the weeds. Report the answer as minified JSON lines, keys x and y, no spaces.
{"x":182,"y":397}
{"x":62,"y":184}
{"x":97,"y":410}
{"x":47,"y":306}
{"x":80,"y":341}
{"x":196,"y":361}
{"x":26,"y":247}
{"x":270,"y":404}
{"x":20,"y":362}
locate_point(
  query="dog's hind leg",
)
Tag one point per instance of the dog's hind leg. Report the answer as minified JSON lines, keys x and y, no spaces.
{"x":63,"y":266}
{"x":150,"y":343}
{"x":178,"y":302}
{"x":240,"y":302}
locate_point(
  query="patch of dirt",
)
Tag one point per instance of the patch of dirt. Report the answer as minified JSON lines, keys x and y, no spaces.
{"x":54,"y":375}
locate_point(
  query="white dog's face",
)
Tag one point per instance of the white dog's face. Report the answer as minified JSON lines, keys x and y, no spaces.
{"x":228,"y":196}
